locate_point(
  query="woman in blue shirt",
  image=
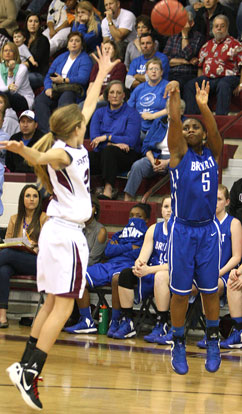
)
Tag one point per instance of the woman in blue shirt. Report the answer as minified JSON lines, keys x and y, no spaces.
{"x":115,"y":137}
{"x":148,"y":97}
{"x":72,"y":67}
{"x":88,"y":25}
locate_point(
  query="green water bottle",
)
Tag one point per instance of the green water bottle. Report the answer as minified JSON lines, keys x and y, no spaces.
{"x":103,"y":320}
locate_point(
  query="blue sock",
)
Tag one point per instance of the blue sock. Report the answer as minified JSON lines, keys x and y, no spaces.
{"x":86,"y":312}
{"x":178,"y":331}
{"x":116,"y":313}
{"x":212,"y":323}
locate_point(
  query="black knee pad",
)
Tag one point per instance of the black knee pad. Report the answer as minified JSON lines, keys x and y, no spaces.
{"x":127,"y":279}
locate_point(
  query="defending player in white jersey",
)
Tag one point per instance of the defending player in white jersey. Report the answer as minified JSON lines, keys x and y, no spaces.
{"x":63,"y":251}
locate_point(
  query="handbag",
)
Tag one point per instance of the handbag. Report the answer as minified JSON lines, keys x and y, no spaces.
{"x":59,"y":88}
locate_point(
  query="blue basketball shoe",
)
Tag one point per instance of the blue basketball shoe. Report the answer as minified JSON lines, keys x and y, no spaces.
{"x":213,"y":359}
{"x":233,"y":341}
{"x":125,"y":330}
{"x":178,"y":355}
{"x":203,"y":343}
{"x":160,"y":329}
{"x":84,"y":325}
{"x":113,"y":327}
{"x":165,"y":339}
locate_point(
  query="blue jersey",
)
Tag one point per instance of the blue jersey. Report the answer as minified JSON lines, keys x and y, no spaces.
{"x":159,"y":254}
{"x":226,"y":253}
{"x":194,"y":185}
{"x":132,"y":234}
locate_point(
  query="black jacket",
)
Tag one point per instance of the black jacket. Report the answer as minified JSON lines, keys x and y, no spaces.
{"x":14,"y":162}
{"x":204,"y":25}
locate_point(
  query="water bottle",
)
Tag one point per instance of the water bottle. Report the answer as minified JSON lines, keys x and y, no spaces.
{"x":103,"y":320}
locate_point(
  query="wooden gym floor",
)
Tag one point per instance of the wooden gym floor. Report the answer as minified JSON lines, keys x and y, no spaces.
{"x":90,"y":374}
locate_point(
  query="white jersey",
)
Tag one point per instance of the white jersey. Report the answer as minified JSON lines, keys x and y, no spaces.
{"x":71,"y":199}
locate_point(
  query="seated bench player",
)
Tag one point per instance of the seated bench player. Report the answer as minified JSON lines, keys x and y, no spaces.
{"x":146,"y":278}
{"x":122,"y":251}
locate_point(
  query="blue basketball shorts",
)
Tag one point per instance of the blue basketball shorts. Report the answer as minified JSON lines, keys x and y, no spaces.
{"x":193,"y":253}
{"x":144,"y":288}
{"x":101,"y":274}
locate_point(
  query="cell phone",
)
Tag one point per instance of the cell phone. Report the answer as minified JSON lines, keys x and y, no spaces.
{"x":53,"y":75}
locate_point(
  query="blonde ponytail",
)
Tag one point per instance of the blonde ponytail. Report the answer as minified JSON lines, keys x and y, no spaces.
{"x":43,"y":145}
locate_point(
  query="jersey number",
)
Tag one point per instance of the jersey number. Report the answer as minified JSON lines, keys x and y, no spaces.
{"x":206,"y":181}
{"x":86,"y":179}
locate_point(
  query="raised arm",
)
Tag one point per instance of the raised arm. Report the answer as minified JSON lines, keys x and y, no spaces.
{"x":57,"y":157}
{"x":214,"y":140}
{"x":176,"y":142}
{"x":105,"y":66}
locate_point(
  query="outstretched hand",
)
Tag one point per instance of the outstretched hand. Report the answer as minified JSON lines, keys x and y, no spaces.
{"x":202,"y":93}
{"x":104,"y":60}
{"x":171,"y":87}
{"x":12,"y":146}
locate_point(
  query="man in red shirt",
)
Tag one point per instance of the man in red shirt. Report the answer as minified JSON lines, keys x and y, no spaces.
{"x":220,"y":61}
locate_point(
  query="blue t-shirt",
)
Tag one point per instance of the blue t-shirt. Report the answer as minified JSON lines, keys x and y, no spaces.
{"x":146,"y":98}
{"x":194,"y":186}
{"x":137,"y":66}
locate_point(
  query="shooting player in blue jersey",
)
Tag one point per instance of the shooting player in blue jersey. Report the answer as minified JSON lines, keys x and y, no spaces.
{"x":193,"y":232}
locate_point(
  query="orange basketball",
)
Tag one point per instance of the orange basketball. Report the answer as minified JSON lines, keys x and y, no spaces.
{"x":168,"y":17}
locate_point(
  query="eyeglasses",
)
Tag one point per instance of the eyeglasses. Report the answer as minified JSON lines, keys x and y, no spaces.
{"x":154,"y":69}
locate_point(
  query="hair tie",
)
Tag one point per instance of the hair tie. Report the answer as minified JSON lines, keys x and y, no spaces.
{"x":53,"y":133}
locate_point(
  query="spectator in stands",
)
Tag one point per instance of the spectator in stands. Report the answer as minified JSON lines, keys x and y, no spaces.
{"x":87,"y":23}
{"x":137,"y":70}
{"x":148,"y":97}
{"x":34,"y":6}
{"x":70,"y":8}
{"x":205,"y":16}
{"x":155,"y":153}
{"x":121,"y":251}
{"x":144,"y":279}
{"x":58,"y":27}
{"x":220,"y":61}
{"x":96,"y":234}
{"x":182,"y":51}
{"x":39,"y":48}
{"x":10,"y":119}
{"x":115,"y":137}
{"x":8,"y":14}
{"x":14,"y":80}
{"x":118,"y":25}
{"x":28,"y":221}
{"x":143,"y":25}
{"x":71,"y":69}
{"x":234,"y":293}
{"x":24,"y":53}
{"x":29,"y":134}
{"x":235,"y":206}
{"x":117,"y":73}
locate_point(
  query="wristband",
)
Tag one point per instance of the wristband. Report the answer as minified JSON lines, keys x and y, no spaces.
{"x":110,"y":23}
{"x":185,"y":38}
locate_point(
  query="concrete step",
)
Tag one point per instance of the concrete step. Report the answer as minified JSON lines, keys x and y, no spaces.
{"x":235,"y":162}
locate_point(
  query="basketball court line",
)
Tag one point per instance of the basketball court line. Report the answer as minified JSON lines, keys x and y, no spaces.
{"x":173,"y":391}
{"x":126,"y":347}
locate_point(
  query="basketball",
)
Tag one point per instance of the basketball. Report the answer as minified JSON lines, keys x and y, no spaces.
{"x":168,"y":17}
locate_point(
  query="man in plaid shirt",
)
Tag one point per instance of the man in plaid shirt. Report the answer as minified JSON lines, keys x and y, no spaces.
{"x":182,"y":51}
